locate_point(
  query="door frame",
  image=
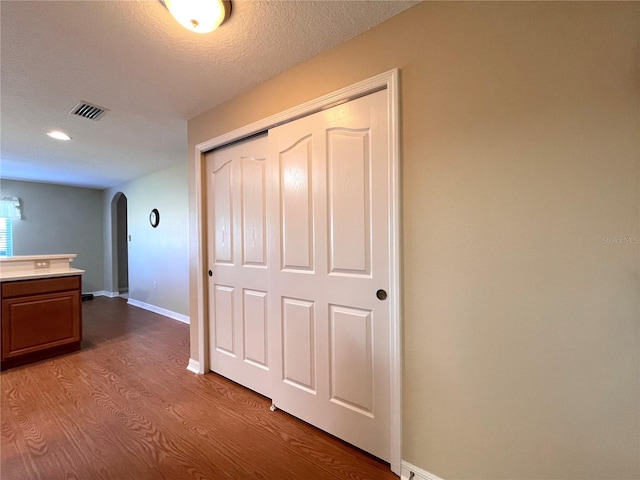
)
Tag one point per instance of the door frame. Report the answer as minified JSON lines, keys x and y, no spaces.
{"x":388,"y":81}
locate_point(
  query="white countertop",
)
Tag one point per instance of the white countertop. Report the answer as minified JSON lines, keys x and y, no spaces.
{"x":11,"y":276}
{"x":31,"y":258}
{"x":27,"y":267}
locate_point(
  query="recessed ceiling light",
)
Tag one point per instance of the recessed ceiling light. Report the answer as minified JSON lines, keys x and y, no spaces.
{"x":58,"y":135}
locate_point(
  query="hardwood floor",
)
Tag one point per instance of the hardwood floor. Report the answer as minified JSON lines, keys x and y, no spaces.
{"x":125,"y":407}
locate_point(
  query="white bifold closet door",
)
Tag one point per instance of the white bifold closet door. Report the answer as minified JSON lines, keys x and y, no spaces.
{"x":306,"y":312}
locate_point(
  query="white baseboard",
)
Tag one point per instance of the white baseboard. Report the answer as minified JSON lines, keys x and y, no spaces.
{"x":418,"y":473}
{"x":194,"y":366}
{"x":104,"y":293}
{"x":162,"y":311}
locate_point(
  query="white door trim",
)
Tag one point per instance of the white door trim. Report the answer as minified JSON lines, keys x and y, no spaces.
{"x":388,"y":81}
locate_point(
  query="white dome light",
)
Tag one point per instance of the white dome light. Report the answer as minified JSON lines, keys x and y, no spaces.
{"x":200,"y":16}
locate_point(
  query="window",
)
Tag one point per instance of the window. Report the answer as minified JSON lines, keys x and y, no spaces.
{"x":6,"y":237}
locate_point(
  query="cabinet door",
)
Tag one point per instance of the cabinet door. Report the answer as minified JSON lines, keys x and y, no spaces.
{"x":38,"y":322}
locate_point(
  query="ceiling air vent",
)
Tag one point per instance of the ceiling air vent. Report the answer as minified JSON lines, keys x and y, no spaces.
{"x":87,"y":110}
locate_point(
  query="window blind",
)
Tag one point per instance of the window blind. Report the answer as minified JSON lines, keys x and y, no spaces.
{"x":6,"y":237}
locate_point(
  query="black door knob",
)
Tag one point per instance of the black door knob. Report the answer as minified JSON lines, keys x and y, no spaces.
{"x":381,"y":294}
{"x":210,"y":273}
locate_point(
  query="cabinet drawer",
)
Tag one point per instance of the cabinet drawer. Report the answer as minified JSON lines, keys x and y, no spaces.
{"x":35,"y":287}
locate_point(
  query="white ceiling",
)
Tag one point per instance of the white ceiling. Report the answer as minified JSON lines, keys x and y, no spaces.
{"x":132,"y":58}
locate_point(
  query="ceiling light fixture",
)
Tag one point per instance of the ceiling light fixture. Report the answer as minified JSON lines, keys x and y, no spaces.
{"x":200,"y":16}
{"x":58,"y":135}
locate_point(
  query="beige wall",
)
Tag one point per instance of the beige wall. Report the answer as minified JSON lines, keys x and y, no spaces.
{"x":520,"y":160}
{"x":155,"y":254}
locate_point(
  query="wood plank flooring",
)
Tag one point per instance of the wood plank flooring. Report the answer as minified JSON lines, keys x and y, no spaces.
{"x":125,"y":407}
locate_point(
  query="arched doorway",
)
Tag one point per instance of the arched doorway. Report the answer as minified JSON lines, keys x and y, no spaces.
{"x":120,"y":237}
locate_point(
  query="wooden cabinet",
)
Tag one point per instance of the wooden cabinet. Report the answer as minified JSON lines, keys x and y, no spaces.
{"x":40,"y":318}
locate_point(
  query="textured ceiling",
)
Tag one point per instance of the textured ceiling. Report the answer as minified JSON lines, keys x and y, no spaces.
{"x":132,"y":58}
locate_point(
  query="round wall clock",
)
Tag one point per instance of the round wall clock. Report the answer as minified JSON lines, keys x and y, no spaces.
{"x":154,"y":217}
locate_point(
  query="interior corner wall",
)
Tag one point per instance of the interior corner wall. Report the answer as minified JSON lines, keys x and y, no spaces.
{"x":60,"y":219}
{"x":158,"y":257}
{"x":521,"y":220}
